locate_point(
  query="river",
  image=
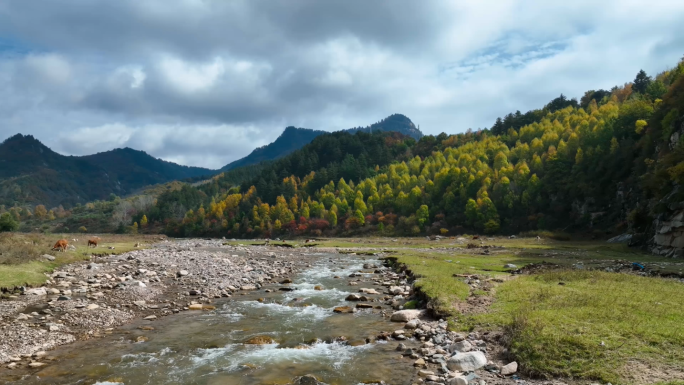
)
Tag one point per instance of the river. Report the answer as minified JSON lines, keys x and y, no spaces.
{"x":209,"y":347}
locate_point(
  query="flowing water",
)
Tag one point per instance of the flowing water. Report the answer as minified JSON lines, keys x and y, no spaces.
{"x":209,"y":348}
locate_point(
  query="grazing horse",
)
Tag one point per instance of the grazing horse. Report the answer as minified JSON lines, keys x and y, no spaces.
{"x":61,"y":245}
{"x":93,"y":242}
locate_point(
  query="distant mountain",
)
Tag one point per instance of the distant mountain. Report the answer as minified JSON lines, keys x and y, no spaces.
{"x":291,"y":139}
{"x":396,"y":123}
{"x":294,"y":138}
{"x":133,"y":169}
{"x":31,"y":173}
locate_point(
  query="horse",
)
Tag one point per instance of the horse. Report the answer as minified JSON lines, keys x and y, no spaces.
{"x":93,"y":242}
{"x":61,"y":245}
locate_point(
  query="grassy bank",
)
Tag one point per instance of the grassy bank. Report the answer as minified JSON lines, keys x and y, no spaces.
{"x":21,"y":261}
{"x":586,"y":324}
{"x":597,"y":325}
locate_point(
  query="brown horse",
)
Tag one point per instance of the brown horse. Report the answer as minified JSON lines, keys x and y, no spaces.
{"x":61,"y":245}
{"x":93,"y":242}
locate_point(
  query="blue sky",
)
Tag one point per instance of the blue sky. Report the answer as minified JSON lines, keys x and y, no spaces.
{"x":203,"y":82}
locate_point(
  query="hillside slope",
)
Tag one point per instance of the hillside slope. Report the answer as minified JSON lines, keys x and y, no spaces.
{"x":291,"y":139}
{"x":294,"y":138}
{"x":31,"y":173}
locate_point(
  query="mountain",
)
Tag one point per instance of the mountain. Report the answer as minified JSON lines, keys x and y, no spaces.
{"x":133,"y":169}
{"x":610,"y":163}
{"x":31,"y":173}
{"x":294,"y":138}
{"x":393,"y":123}
{"x":291,"y":139}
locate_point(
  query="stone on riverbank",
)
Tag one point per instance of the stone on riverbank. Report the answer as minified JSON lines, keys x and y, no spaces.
{"x":509,"y":369}
{"x":466,"y":362}
{"x":405,"y":315}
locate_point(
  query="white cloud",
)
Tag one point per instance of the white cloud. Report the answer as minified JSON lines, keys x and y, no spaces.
{"x":52,"y":68}
{"x":191,"y":77}
{"x":205,"y":82}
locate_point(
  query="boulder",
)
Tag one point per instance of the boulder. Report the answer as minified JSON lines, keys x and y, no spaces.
{"x":248,"y":287}
{"x":458,"y":380}
{"x":260,"y":340}
{"x":353,"y":297}
{"x":405,"y":315}
{"x":343,"y":309}
{"x":195,"y":306}
{"x":462,"y":346}
{"x":308,"y":379}
{"x":509,"y":369}
{"x":48,"y":257}
{"x":92,"y":306}
{"x":467,"y":362}
{"x":36,"y":291}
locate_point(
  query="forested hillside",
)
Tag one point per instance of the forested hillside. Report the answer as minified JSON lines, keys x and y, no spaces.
{"x":290,"y":140}
{"x":295,"y":138}
{"x":33,"y":174}
{"x":604,"y":162}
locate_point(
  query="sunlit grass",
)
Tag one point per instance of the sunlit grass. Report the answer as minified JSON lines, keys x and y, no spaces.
{"x":558,"y":330}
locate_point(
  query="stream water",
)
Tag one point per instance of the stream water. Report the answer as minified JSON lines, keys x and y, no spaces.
{"x":209,"y":348}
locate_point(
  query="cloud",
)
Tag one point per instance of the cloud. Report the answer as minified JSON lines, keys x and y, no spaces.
{"x":203,"y":82}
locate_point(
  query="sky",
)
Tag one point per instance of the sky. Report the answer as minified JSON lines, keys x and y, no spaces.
{"x":204,"y":82}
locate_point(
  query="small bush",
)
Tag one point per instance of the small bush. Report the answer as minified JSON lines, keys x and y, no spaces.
{"x":411,"y":304}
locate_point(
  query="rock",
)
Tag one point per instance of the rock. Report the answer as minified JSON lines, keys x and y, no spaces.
{"x":195,"y":306}
{"x":343,"y":309}
{"x":318,"y":287}
{"x":150,"y":317}
{"x":467,"y":362}
{"x":622,"y":238}
{"x":405,"y":315}
{"x":63,"y":298}
{"x":458,"y":380}
{"x":462,"y":346}
{"x":139,"y":303}
{"x":195,"y":292}
{"x":93,"y":266}
{"x":353,"y":297}
{"x":368,"y":291}
{"x":308,"y":379}
{"x":48,"y":257}
{"x":412,"y":324}
{"x":419,"y":362}
{"x":509,"y":369}
{"x":37,"y":291}
{"x":286,"y":281}
{"x":92,"y":306}
{"x":182,"y":273}
{"x":260,"y":340}
{"x":425,"y":373}
{"x":401,"y":347}
{"x":248,"y":287}
{"x":36,"y":364}
{"x":510,"y":266}
{"x":364,"y":306}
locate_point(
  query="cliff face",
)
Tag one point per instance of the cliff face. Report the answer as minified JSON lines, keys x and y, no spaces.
{"x":669,"y":237}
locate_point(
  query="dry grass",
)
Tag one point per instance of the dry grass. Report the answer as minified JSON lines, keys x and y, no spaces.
{"x":20,"y":254}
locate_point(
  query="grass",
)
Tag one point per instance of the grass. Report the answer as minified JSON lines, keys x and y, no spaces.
{"x":20,"y":254}
{"x":557,"y":330}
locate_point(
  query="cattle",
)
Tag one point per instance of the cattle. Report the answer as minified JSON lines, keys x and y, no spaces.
{"x":476,"y":237}
{"x":61,"y":245}
{"x":93,"y":242}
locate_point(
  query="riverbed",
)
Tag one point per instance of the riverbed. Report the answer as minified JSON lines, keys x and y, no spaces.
{"x":303,"y":335}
